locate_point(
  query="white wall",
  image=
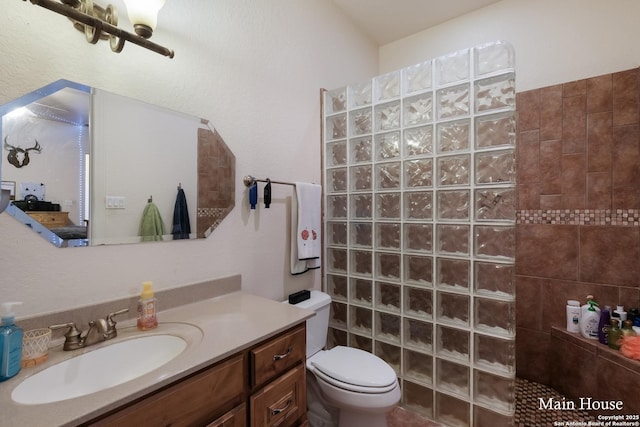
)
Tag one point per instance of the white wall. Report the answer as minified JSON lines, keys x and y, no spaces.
{"x":555,"y":40}
{"x":254,"y":68}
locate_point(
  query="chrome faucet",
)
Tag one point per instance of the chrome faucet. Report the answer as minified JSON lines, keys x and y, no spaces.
{"x":99,"y":330}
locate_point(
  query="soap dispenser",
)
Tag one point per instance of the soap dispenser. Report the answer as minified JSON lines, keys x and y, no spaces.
{"x":147,"y":308}
{"x":10,"y":342}
{"x":589,"y":319}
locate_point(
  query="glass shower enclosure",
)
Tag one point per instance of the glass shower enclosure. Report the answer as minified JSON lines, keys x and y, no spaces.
{"x":419,"y":179}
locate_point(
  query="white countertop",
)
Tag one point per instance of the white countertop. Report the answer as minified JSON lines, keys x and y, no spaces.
{"x":220,"y":327}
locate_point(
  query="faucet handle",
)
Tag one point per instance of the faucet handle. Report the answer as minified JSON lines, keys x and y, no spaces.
{"x":111,"y":324}
{"x":72,"y":336}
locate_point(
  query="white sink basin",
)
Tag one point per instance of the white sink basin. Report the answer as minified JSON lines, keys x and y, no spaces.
{"x":99,"y":369}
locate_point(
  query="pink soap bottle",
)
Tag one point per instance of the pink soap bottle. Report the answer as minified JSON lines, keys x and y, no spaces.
{"x":147,"y":308}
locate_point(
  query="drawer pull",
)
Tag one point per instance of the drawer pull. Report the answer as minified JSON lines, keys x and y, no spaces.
{"x":282,"y":356}
{"x":280,"y":410}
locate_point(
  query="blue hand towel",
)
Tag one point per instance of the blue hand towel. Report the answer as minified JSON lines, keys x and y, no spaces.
{"x":181,"y":225}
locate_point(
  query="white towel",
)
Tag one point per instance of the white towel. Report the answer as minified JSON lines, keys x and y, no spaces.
{"x":305,"y":227}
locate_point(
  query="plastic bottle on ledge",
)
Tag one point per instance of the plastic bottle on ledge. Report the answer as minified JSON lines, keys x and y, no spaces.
{"x":147,"y":308}
{"x":10,"y":342}
{"x":589,"y":319}
{"x":573,"y":316}
{"x":615,"y":333}
{"x":603,"y":326}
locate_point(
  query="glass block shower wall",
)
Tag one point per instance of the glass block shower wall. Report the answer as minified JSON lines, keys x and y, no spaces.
{"x":419,"y":171}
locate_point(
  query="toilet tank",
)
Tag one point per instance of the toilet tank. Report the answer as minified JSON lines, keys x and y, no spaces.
{"x":318,"y":325}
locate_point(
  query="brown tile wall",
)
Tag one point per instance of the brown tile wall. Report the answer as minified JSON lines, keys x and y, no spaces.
{"x":578,"y":223}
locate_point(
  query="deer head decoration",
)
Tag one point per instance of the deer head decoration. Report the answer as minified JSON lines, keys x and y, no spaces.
{"x":18,"y":156}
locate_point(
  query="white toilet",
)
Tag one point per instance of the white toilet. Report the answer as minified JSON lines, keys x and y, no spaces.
{"x":346,"y":387}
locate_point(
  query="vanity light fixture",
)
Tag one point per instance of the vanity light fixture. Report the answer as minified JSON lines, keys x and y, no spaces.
{"x":97,"y":22}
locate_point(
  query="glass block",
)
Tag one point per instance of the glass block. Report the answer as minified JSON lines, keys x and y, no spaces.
{"x":361,"y":177}
{"x":418,"y":205}
{"x":495,"y":93}
{"x":494,"y":391}
{"x":361,"y":234}
{"x":390,"y":353}
{"x":495,"y":241}
{"x":417,"y":398}
{"x":496,"y":130}
{"x":361,"y":206}
{"x":338,"y":287}
{"x":453,"y":205}
{"x":337,"y":207}
{"x":361,"y":291}
{"x":360,"y":149}
{"x":453,"y":239}
{"x":495,"y":317}
{"x":494,"y":57}
{"x":363,"y":343}
{"x":361,"y":320}
{"x":337,"y":180}
{"x":495,"y":354}
{"x":418,"y":367}
{"x":485,"y":417}
{"x":335,"y":101}
{"x":418,"y":335}
{"x":418,"y":173}
{"x":453,"y":344}
{"x":418,"y":302}
{"x":388,"y":235}
{"x":387,"y":146}
{"x":418,"y":109}
{"x":388,"y":205}
{"x":338,"y":314}
{"x":387,"y":86}
{"x":496,"y":167}
{"x":418,"y":270}
{"x":337,"y":260}
{"x":452,"y":377}
{"x":496,"y":280}
{"x":454,"y":136}
{"x":337,"y":233}
{"x":361,"y":264}
{"x":453,"y":273}
{"x":360,"y":121}
{"x":418,"y":237}
{"x":388,"y":297}
{"x":454,"y":170}
{"x":388,"y":327}
{"x":388,"y":175}
{"x":336,"y":153}
{"x":417,"y":77}
{"x":388,"y":266}
{"x":360,"y":94}
{"x":453,"y":412}
{"x":336,"y":337}
{"x":453,"y":67}
{"x":496,"y":204}
{"x":453,"y":308}
{"x":336,"y":127}
{"x":418,"y":141}
{"x":453,"y":102}
{"x":387,"y":116}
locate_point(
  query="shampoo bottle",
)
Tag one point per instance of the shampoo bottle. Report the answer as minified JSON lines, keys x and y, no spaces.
{"x":10,"y":342}
{"x":589,"y":319}
{"x":603,"y":326}
{"x":573,"y":316}
{"x":147,"y":308}
{"x":614,"y":334}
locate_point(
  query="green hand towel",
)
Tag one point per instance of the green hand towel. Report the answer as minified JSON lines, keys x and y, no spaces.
{"x":151,"y":225}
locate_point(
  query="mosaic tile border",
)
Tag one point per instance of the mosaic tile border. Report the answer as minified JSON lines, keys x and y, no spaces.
{"x":623,"y":217}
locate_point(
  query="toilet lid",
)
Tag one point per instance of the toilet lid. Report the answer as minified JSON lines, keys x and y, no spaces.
{"x":354,"y":366}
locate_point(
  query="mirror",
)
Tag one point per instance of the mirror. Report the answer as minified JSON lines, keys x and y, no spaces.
{"x":87,"y":167}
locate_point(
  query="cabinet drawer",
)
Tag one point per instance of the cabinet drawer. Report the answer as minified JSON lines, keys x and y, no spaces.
{"x":278,"y":355}
{"x":281,"y":403}
{"x":51,"y":219}
{"x":194,"y":401}
{"x":237,"y":417}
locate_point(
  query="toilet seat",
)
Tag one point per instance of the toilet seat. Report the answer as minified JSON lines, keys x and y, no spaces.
{"x":354,"y":369}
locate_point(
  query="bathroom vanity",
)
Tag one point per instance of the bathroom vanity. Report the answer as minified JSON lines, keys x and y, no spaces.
{"x":245,"y":367}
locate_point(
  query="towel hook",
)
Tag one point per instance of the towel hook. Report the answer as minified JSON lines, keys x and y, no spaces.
{"x":150,"y":199}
